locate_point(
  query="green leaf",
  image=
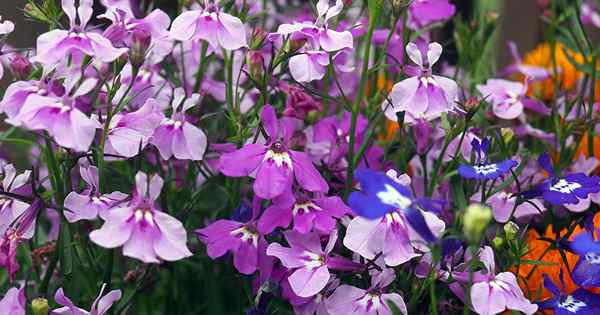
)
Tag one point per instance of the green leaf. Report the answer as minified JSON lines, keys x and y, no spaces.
{"x":537,"y":262}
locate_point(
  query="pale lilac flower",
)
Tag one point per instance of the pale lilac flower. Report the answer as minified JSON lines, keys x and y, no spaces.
{"x":145,"y":232}
{"x":508,"y":98}
{"x":129,"y":133}
{"x":218,"y":28}
{"x":91,"y":202}
{"x":307,"y":213}
{"x":56,"y":45}
{"x":123,"y":5}
{"x":309,"y":261}
{"x":17,"y":93}
{"x":316,"y":304}
{"x":11,"y":208}
{"x":493,"y":293}
{"x":13,"y":302}
{"x":60,"y":117}
{"x":176,"y":136}
{"x":424,"y":12}
{"x":529,"y":71}
{"x":426,"y":95}
{"x":6,"y":27}
{"x":155,"y":24}
{"x":503,"y":203}
{"x":276,"y":166}
{"x":590,"y":13}
{"x":348,"y":299}
{"x":100,"y":306}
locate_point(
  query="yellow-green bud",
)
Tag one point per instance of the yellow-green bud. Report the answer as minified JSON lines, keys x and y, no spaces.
{"x":475,"y":220}
{"x":510,"y":230}
{"x":39,"y":306}
{"x":498,"y":242}
{"x":507,"y":134}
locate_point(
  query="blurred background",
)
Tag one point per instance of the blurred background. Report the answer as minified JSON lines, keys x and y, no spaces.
{"x":518,"y":21}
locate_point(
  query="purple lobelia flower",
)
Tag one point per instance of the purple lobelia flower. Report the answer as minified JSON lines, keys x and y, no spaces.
{"x":309,"y":262}
{"x":124,"y":27}
{"x":568,"y":189}
{"x":56,"y":45}
{"x":176,"y":136}
{"x":91,"y":202}
{"x":426,"y":95}
{"x":60,"y":117}
{"x":493,"y":293}
{"x":503,"y":205}
{"x":311,"y":62}
{"x":14,"y":302}
{"x":100,"y":306}
{"x":129,"y":133}
{"x":424,"y":12}
{"x":483,"y":169}
{"x":316,"y":304}
{"x":394,"y":225}
{"x":22,"y":228}
{"x":508,"y":98}
{"x":145,"y":232}
{"x":348,"y":299}
{"x":308,"y":213}
{"x":587,"y":270}
{"x":218,"y":28}
{"x":276,"y":166}
{"x":242,"y":239}
{"x":579,"y":302}
{"x":11,"y":208}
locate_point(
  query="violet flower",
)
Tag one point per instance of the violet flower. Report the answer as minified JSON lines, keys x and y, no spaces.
{"x":508,"y":98}
{"x":425,"y":95}
{"x":424,"y":12}
{"x":579,"y":302}
{"x":246,"y":243}
{"x":587,"y":270}
{"x":145,"y":232}
{"x":100,"y":306}
{"x":348,"y":299}
{"x":483,"y":169}
{"x":56,"y":45}
{"x":308,"y":213}
{"x":129,"y":133}
{"x":309,"y":262}
{"x":14,"y":302}
{"x":11,"y":208}
{"x":316,"y":304}
{"x":176,"y":136}
{"x":276,"y":166}
{"x":503,"y":205}
{"x":17,"y":93}
{"x":568,"y":189}
{"x":218,"y":28}
{"x":60,"y":117}
{"x":91,"y":202}
{"x":590,"y":13}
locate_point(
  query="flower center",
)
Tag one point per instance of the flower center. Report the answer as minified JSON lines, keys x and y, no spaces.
{"x":246,"y":234}
{"x":144,"y":216}
{"x":305,"y":207}
{"x":565,"y":187}
{"x":313,"y":260}
{"x":392,"y":197}
{"x":571,"y":304}
{"x":486,"y":169}
{"x":281,"y":158}
{"x":370,"y":301}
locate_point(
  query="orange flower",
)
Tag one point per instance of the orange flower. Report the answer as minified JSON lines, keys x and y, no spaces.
{"x":584,"y":149}
{"x":567,"y":74}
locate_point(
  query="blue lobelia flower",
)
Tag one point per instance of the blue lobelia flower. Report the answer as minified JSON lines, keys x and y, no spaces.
{"x":381,"y":195}
{"x":579,"y":302}
{"x":587,"y":270}
{"x":562,"y":190}
{"x":483,"y":169}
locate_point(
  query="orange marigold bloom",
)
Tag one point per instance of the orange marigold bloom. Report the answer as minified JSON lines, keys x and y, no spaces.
{"x":567,"y":74}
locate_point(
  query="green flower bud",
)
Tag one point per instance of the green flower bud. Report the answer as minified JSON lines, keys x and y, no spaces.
{"x":510,"y":230}
{"x":39,"y":306}
{"x":475,"y":221}
{"x":498,"y":242}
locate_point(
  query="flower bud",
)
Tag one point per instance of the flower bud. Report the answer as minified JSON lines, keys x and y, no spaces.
{"x":498,"y":242}
{"x":258,"y":38}
{"x":140,"y":42}
{"x":255,"y":62}
{"x":39,"y":306}
{"x":510,"y":230}
{"x":507,"y":134}
{"x":475,"y":221}
{"x":20,"y":67}
{"x":296,"y":43}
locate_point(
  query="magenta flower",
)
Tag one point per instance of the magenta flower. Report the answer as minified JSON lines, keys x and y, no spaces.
{"x":60,"y":117}
{"x":309,"y":261}
{"x":298,"y":102}
{"x":276,"y":166}
{"x":426,"y":95}
{"x":310,"y":305}
{"x":590,"y":13}
{"x":308,"y":213}
{"x":508,"y":98}
{"x":56,"y":45}
{"x":11,"y":208}
{"x":348,"y":299}
{"x":176,"y":136}
{"x":129,"y":133}
{"x":90,"y":203}
{"x":493,"y":293}
{"x":145,"y":232}
{"x":424,"y":12}
{"x":218,"y":28}
{"x":14,"y":302}
{"x":100,"y":306}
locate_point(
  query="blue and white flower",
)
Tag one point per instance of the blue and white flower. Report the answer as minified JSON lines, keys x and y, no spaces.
{"x":483,"y":169}
{"x":579,"y":302}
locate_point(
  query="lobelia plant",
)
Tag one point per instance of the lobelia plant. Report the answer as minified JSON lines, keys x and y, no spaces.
{"x":327,"y":157}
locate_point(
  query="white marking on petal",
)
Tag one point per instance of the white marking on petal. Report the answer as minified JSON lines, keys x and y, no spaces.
{"x":305,"y":207}
{"x":313,"y":260}
{"x":392,"y":197}
{"x":592,"y":258}
{"x":486,"y":169}
{"x":565,"y":187}
{"x":245,"y":234}
{"x":279,"y":158}
{"x":571,"y":304}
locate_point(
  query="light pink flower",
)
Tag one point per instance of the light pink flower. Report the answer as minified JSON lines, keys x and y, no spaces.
{"x":10,"y":208}
{"x":100,"y":306}
{"x":13,"y":302}
{"x":145,"y":232}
